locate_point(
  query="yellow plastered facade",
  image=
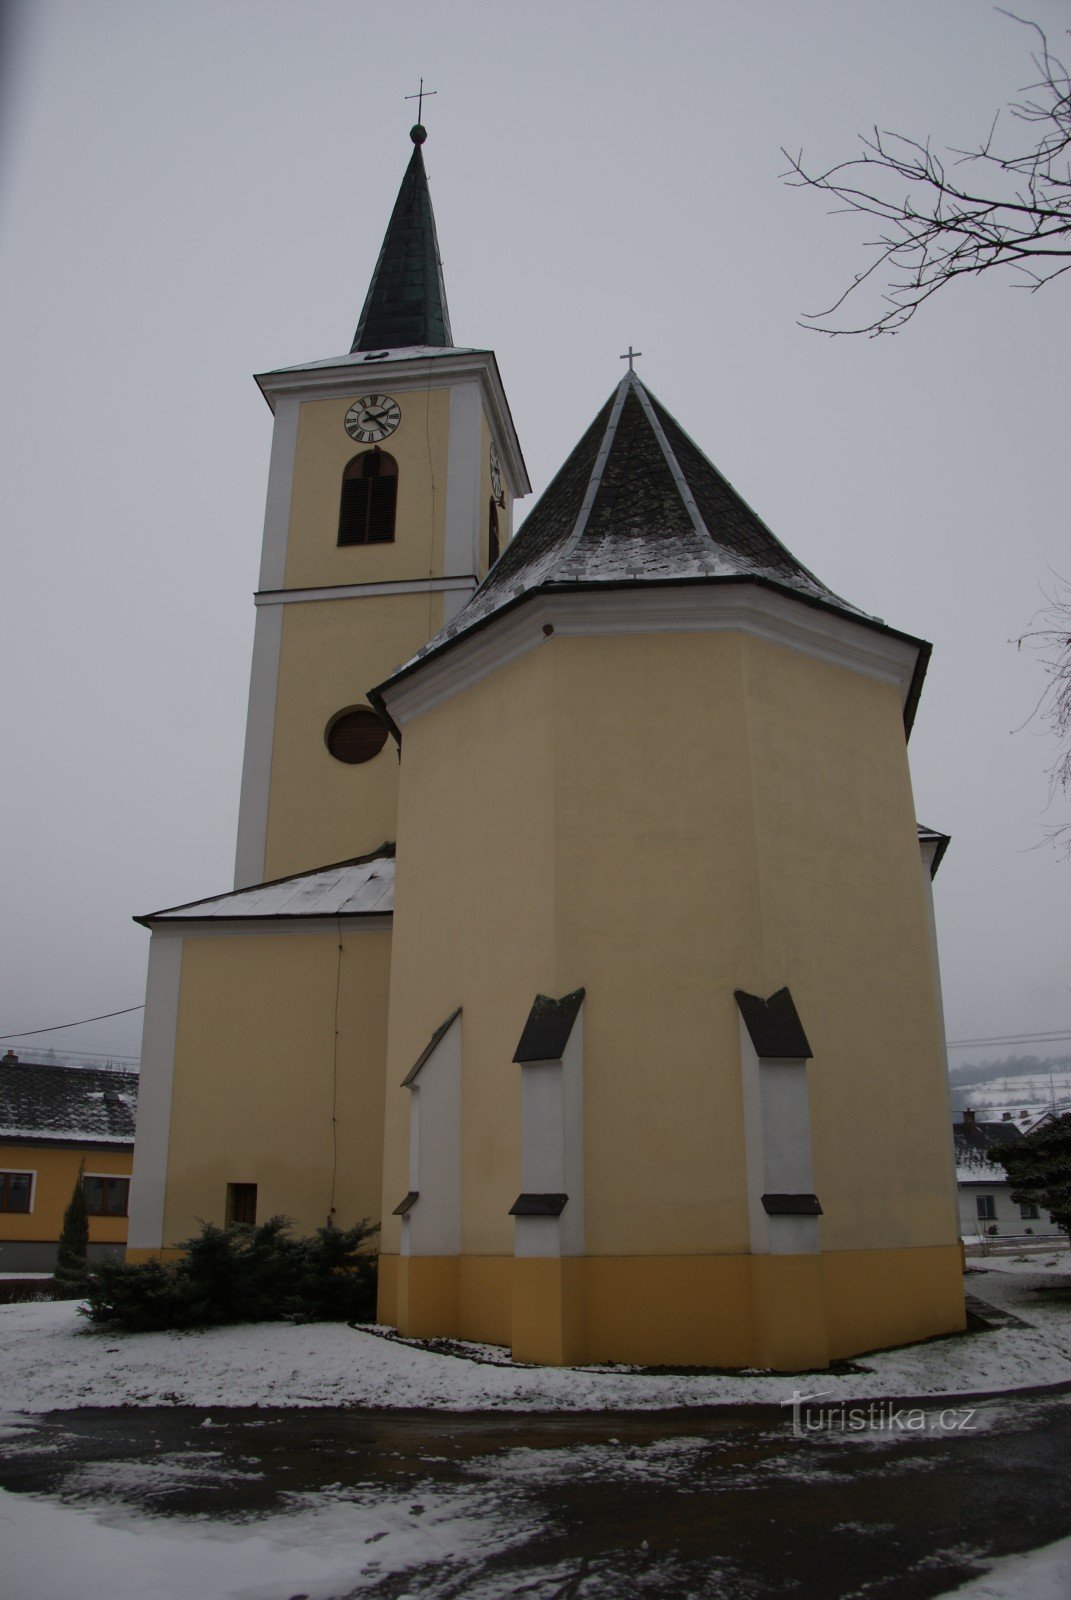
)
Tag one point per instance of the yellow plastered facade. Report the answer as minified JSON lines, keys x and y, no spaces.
{"x":787,"y":1313}
{"x":264,"y":1091}
{"x":662,"y":818}
{"x":333,"y":650}
{"x":320,"y":809}
{"x":55,"y":1172}
{"x":418,"y":445}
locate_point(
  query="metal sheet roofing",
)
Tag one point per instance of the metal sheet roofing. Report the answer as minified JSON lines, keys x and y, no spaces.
{"x":406,"y":301}
{"x":362,"y":887}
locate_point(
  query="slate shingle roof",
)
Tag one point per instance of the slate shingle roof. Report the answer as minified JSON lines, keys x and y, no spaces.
{"x":87,"y":1105}
{"x":406,"y":300}
{"x":636,"y":502}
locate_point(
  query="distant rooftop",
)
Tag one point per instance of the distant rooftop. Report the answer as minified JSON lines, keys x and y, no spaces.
{"x":67,"y":1105}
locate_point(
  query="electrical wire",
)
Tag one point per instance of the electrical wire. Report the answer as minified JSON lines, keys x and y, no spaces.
{"x":56,"y":1026}
{"x":1055,"y":1036}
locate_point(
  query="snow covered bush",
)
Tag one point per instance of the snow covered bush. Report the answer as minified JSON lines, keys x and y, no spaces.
{"x":241,"y":1273}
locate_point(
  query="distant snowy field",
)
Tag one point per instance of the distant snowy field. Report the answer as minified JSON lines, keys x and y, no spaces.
{"x":323,"y":1546}
{"x":1032,"y":1092}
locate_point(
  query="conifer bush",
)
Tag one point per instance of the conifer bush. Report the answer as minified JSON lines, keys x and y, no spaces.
{"x":241,"y":1273}
{"x":1039,"y":1168}
{"x":72,"y":1267}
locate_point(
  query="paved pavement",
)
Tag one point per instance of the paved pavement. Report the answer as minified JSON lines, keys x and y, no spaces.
{"x":697,"y":1505}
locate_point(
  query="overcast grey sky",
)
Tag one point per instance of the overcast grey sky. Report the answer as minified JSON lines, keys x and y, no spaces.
{"x":192,"y":191}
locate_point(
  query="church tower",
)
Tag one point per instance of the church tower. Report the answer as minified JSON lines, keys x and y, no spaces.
{"x":393,"y":475}
{"x":394,"y":469}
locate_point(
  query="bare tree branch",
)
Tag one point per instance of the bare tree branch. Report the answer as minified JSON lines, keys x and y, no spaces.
{"x":1049,"y":639}
{"x":1014,"y":214}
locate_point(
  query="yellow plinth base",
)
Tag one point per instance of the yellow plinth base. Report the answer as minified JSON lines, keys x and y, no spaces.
{"x":788,"y":1313}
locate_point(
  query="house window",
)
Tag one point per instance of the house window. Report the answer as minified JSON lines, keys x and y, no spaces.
{"x":1028,"y":1211}
{"x":369,"y":499}
{"x":493,"y":545}
{"x":15,"y":1191}
{"x":241,"y":1202}
{"x":987,"y":1208}
{"x":106,"y":1197}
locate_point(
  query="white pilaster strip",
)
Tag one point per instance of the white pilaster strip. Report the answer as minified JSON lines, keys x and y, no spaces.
{"x":928,"y":849}
{"x":149,"y":1181}
{"x":463,"y":479}
{"x":786,"y":1137}
{"x":280,"y":492}
{"x":259,"y":738}
{"x":777,"y":1144}
{"x":433,"y":1226}
{"x":552,"y":1149}
{"x":758,"y":1221}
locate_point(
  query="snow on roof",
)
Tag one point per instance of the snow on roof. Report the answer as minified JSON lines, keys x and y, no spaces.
{"x":362,"y":887}
{"x":78,"y":1105}
{"x":637,"y":502}
{"x":372,"y":358}
{"x":979,"y":1172}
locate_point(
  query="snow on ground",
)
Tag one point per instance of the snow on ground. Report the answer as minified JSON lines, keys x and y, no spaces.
{"x":319,"y":1548}
{"x":50,"y":1359}
{"x":1041,"y":1575}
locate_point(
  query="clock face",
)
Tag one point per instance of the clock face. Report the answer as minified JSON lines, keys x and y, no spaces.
{"x":496,"y":475}
{"x":372,"y":417}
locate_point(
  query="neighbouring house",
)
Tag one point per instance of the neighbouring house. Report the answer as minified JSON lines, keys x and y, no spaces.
{"x":986,"y":1208}
{"x":55,"y":1121}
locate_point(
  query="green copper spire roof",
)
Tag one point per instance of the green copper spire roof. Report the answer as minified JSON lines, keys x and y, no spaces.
{"x":406,"y":301}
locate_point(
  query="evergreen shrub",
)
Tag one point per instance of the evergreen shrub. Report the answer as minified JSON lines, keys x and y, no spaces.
{"x":72,"y":1268}
{"x":241,"y":1273}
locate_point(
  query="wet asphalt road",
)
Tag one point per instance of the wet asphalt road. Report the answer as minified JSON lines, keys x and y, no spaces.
{"x":695,"y":1505}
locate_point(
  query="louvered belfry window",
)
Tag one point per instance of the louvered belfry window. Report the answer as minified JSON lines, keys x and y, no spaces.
{"x":369,"y":499}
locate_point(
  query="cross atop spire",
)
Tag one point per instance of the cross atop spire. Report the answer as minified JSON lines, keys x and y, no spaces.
{"x":630,"y":356}
{"x":419,"y":98}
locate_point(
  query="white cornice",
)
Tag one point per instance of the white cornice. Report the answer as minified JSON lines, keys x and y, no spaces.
{"x":435,"y":368}
{"x":466,"y":583}
{"x":701,"y":608}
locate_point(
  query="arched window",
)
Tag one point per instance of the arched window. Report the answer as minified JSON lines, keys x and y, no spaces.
{"x":493,"y":546}
{"x":369,"y":499}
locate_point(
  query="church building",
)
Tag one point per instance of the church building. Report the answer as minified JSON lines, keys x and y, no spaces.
{"x":582,"y":930}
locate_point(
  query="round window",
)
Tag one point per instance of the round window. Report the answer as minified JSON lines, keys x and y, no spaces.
{"x":355,"y":736}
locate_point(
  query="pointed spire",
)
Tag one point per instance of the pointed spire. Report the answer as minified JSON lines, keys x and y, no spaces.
{"x":638,"y":501}
{"x":406,"y":301}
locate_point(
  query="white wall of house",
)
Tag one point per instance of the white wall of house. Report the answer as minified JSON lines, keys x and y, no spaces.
{"x":1007,"y":1217}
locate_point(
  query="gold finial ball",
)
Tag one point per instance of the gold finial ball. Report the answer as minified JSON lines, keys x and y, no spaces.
{"x":418,"y":134}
